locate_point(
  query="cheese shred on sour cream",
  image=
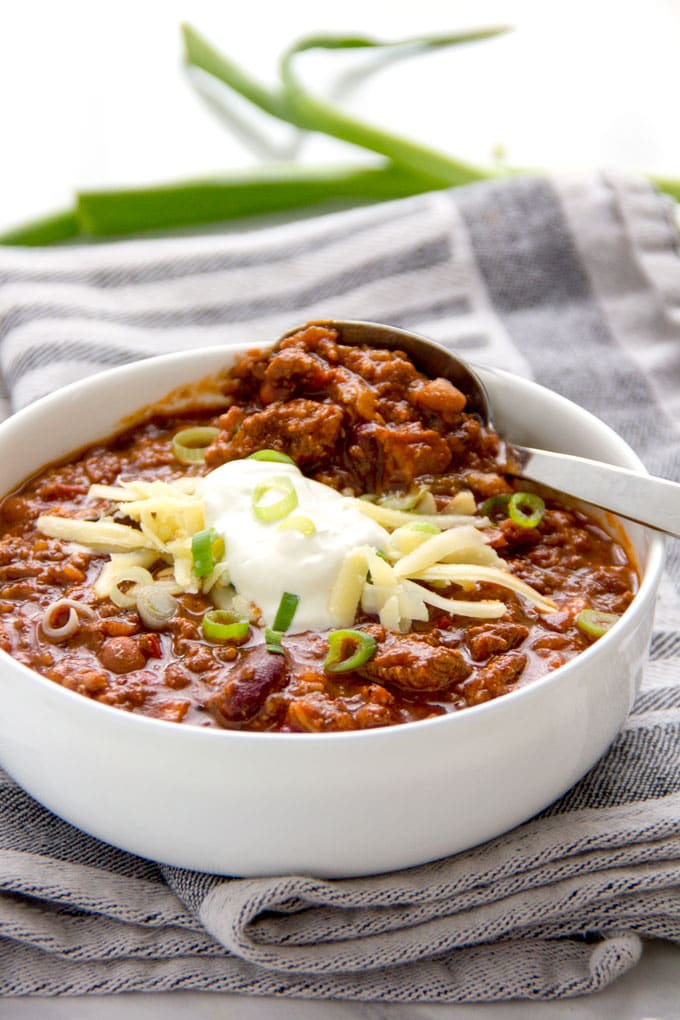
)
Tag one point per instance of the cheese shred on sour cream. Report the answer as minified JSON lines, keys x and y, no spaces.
{"x":251,"y":530}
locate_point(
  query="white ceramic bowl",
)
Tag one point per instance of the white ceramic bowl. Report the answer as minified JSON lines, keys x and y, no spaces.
{"x":333,"y":804}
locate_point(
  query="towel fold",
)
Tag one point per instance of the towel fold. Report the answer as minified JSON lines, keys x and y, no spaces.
{"x":574,"y":282}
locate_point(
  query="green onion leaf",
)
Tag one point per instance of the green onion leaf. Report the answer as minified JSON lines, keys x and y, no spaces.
{"x":267,"y":509}
{"x":189,"y":445}
{"x":286,"y":611}
{"x":348,"y":649}
{"x":308,"y":111}
{"x":273,"y":455}
{"x":207,"y":548}
{"x":222,"y":625}
{"x":526,"y":509}
{"x":594,"y":623}
{"x":56,"y":227}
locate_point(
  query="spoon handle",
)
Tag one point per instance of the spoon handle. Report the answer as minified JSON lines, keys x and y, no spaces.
{"x":652,"y":501}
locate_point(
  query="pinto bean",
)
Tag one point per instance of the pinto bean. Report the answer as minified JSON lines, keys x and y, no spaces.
{"x":121,"y":655}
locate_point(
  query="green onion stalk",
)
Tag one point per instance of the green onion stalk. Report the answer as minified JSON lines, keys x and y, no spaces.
{"x":284,"y":617}
{"x":404,"y":167}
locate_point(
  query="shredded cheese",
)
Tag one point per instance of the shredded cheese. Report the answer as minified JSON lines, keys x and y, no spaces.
{"x":461,"y":573}
{"x":422,"y":552}
{"x":103,"y":535}
{"x":390,"y":518}
{"x":349,"y":584}
{"x":463,"y":544}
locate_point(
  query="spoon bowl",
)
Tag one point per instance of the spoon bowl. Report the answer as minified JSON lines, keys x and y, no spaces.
{"x":654,"y":502}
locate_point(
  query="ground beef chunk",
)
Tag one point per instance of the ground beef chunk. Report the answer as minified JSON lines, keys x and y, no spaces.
{"x":317,"y":713}
{"x":352,"y":393}
{"x":399,"y":455}
{"x":498,"y":677}
{"x":486,"y":484}
{"x":390,"y":372}
{"x":293,"y":370}
{"x":304,"y":429}
{"x":70,"y":673}
{"x":416,"y":662}
{"x":486,"y":640}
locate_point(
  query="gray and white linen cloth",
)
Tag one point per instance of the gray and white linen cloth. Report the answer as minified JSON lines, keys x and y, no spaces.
{"x":574,"y":282}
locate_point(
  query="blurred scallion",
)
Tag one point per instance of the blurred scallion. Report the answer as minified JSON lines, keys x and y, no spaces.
{"x":405,"y":167}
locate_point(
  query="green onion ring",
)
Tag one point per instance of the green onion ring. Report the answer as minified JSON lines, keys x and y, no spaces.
{"x":272,"y":455}
{"x":337,"y":661}
{"x":207,"y":547}
{"x":526,"y":509}
{"x":298,"y":522}
{"x":274,"y":511}
{"x":496,"y":507}
{"x":220,"y":625}
{"x":407,"y":501}
{"x":594,"y":623}
{"x":189,"y":445}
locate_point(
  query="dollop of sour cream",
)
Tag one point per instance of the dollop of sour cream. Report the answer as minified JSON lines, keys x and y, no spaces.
{"x":265,"y":560}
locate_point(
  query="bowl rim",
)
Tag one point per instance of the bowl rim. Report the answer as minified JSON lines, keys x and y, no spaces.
{"x":649,"y":580}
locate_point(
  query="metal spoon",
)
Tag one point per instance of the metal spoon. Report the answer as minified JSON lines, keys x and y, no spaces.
{"x":639,"y":497}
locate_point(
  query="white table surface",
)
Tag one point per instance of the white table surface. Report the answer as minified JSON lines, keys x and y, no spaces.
{"x":95,"y":95}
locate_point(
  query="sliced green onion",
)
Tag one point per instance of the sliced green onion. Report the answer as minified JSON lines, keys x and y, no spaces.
{"x":189,"y":445}
{"x":282,"y":621}
{"x":298,"y":522}
{"x":207,"y":547}
{"x":408,"y":501}
{"x":526,"y":509}
{"x":272,"y":641}
{"x":266,"y":509}
{"x":495,"y":507}
{"x":221,"y":625}
{"x":60,"y":226}
{"x":594,"y":623}
{"x":272,"y":455}
{"x":424,"y":526}
{"x":286,"y":611}
{"x":362,"y":647}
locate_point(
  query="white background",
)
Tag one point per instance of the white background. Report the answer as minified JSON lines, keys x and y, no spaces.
{"x":94,"y":94}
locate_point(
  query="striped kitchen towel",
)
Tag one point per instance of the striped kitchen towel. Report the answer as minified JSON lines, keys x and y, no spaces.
{"x":575,"y":282}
